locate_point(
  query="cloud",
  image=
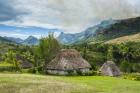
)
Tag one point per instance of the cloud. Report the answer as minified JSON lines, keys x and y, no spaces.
{"x":7,"y":11}
{"x":13,"y":34}
{"x":70,"y":15}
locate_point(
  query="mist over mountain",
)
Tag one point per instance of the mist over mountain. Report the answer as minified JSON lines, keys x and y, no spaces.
{"x":88,"y":33}
{"x":106,"y":30}
{"x":121,"y":28}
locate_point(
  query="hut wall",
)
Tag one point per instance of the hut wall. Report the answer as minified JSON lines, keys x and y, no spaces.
{"x":57,"y":72}
{"x":65,"y":72}
{"x":85,"y":70}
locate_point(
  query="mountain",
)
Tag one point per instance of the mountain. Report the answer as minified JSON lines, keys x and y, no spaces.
{"x":17,"y":40}
{"x":82,"y":36}
{"x":122,"y":28}
{"x":67,"y":38}
{"x":105,"y":31}
{"x":31,"y":40}
{"x":4,"y":40}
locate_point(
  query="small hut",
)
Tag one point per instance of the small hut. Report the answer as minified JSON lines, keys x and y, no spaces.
{"x":67,"y":61}
{"x":110,"y":69}
{"x":24,"y":62}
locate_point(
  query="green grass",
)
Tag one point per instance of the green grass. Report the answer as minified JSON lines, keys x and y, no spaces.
{"x":28,"y":83}
{"x":6,"y":65}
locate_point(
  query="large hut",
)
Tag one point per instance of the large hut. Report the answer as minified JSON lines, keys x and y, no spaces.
{"x":67,"y":61}
{"x":110,"y":69}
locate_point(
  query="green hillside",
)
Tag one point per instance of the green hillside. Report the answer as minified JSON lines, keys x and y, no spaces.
{"x":4,"y":40}
{"x":121,"y":28}
{"x":123,"y":39}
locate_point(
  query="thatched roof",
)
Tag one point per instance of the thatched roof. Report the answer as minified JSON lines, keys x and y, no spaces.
{"x":68,"y":59}
{"x":110,"y":69}
{"x":24,"y":62}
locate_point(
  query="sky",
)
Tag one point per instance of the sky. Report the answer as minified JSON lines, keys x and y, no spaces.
{"x":21,"y":18}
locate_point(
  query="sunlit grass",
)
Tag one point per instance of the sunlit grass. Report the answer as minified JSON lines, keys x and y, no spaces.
{"x":130,"y":38}
{"x":28,"y":83}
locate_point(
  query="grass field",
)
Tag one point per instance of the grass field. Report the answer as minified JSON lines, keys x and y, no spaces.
{"x":129,"y":38}
{"x":28,"y":83}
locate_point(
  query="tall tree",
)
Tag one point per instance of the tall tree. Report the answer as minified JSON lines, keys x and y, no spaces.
{"x":85,"y":50}
{"x":110,"y":53}
{"x":124,"y":50}
{"x":48,"y":48}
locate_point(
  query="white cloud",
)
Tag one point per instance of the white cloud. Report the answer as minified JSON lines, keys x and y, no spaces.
{"x":72,"y":15}
{"x":13,"y":34}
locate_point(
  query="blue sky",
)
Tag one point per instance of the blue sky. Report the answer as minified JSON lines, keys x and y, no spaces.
{"x":24,"y":32}
{"x":21,"y":18}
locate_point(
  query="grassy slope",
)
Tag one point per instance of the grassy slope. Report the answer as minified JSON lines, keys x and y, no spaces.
{"x":26,"y":83}
{"x":133,"y":38}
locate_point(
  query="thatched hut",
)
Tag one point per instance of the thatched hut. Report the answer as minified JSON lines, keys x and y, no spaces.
{"x":67,"y":61}
{"x":24,"y":62}
{"x":110,"y":69}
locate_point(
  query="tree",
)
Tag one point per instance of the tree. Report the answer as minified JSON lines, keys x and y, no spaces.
{"x":48,"y":48}
{"x":85,"y":50}
{"x":110,"y":53}
{"x":124,"y":50}
{"x":125,"y":66}
{"x":11,"y":58}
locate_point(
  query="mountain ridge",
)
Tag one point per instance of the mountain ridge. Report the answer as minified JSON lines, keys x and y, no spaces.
{"x":17,"y":40}
{"x":106,"y":30}
{"x":31,"y":40}
{"x":4,"y":40}
{"x":89,"y":32}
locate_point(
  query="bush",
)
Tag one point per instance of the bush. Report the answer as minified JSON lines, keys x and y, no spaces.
{"x":25,"y":70}
{"x":91,"y":73}
{"x":125,"y":66}
{"x":36,"y":70}
{"x":136,"y":67}
{"x":8,"y":68}
{"x":132,"y":76}
{"x":79,"y":72}
{"x":71,"y":73}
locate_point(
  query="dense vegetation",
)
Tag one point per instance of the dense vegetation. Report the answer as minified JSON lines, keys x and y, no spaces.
{"x":126,"y":55}
{"x":16,"y":58}
{"x":32,"y":59}
{"x":22,"y":58}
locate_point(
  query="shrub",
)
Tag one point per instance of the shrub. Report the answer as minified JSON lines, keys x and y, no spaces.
{"x":125,"y":66}
{"x":136,"y":67}
{"x":70,"y":73}
{"x":91,"y":73}
{"x":25,"y":70}
{"x":79,"y":72}
{"x":7,"y":67}
{"x":36,"y":70}
{"x":132,"y":76}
